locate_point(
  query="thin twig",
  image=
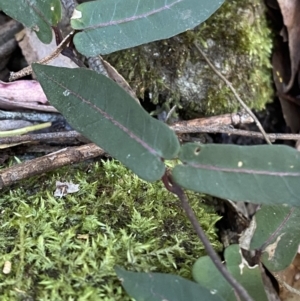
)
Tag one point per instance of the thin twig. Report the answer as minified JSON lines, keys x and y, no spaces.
{"x":57,"y":137}
{"x":64,"y":137}
{"x":214,"y":121}
{"x":28,"y":70}
{"x":49,"y":162}
{"x":232,"y":131}
{"x":170,"y":113}
{"x":31,"y":116}
{"x":229,"y":85}
{"x":272,"y":137}
{"x":177,"y":190}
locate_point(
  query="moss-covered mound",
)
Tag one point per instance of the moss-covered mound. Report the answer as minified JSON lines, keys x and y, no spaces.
{"x":236,"y":39}
{"x":66,"y":248}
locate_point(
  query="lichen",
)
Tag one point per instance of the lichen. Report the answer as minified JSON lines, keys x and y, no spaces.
{"x":237,"y":40}
{"x":66,"y":248}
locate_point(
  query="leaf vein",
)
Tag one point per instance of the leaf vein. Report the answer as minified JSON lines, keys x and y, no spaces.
{"x":108,"y":117}
{"x":245,"y":171}
{"x":133,"y":18}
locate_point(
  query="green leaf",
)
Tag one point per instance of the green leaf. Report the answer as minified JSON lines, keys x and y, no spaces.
{"x":277,"y":229}
{"x":258,"y":174}
{"x":103,"y":112}
{"x":160,"y":287}
{"x":39,"y":15}
{"x":111,"y":25}
{"x":206,"y":274}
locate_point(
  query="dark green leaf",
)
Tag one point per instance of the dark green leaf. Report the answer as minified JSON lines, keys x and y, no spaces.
{"x":111,"y":25}
{"x":278,"y":231}
{"x":258,"y":174}
{"x":206,"y":274}
{"x":162,"y":287}
{"x":39,"y":15}
{"x":103,"y":112}
{"x":249,"y":277}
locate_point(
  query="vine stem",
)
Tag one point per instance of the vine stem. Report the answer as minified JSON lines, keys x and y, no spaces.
{"x":177,"y":190}
{"x":229,"y":85}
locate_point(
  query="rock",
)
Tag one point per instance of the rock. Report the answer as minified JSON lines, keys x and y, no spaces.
{"x":238,"y":42}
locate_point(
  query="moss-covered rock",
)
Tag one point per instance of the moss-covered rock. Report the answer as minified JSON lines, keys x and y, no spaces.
{"x":238,"y":42}
{"x":66,"y":248}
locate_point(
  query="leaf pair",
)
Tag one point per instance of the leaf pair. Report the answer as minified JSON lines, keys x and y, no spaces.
{"x":210,"y":286}
{"x":103,"y":112}
{"x":276,"y":236}
{"x":129,"y":23}
{"x":110,"y":25}
{"x":111,"y":118}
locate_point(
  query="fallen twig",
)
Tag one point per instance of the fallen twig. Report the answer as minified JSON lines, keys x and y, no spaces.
{"x":211,"y":122}
{"x":49,"y":162}
{"x":232,"y":131}
{"x":179,"y":128}
{"x":58,"y":137}
{"x":31,"y":116}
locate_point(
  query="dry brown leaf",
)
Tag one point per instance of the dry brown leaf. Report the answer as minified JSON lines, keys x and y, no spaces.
{"x":281,"y":75}
{"x":289,"y":281}
{"x":290,"y":10}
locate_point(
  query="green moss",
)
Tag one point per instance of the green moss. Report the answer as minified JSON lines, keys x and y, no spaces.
{"x":66,"y":248}
{"x":250,"y":41}
{"x":237,"y":40}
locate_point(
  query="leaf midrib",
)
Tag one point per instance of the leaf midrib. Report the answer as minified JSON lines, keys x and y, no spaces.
{"x":243,"y":170}
{"x":131,"y":19}
{"x":108,"y":117}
